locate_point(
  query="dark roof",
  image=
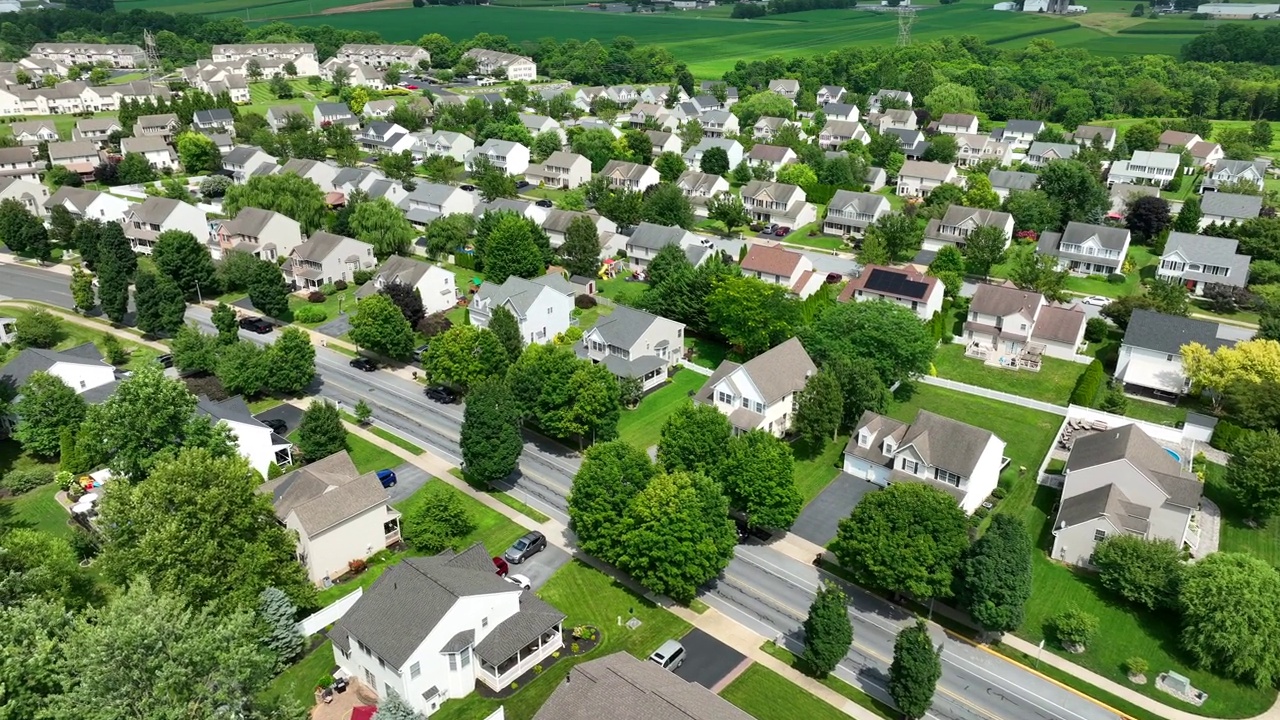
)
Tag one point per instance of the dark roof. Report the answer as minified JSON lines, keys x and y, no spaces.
{"x":891,"y":281}
{"x":32,"y":360}
{"x":1106,"y":500}
{"x":1130,"y":443}
{"x":520,"y":630}
{"x":1168,"y":333}
{"x":1059,"y":324}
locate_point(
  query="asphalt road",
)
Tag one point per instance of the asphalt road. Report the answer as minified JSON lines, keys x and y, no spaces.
{"x":763,"y":589}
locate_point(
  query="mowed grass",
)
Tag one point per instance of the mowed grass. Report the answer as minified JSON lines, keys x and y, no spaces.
{"x":244,"y":9}
{"x":642,"y":426}
{"x":1236,"y":534}
{"x":1053,"y":383}
{"x":366,"y":456}
{"x":298,"y":681}
{"x":73,"y":334}
{"x":813,"y":473}
{"x":766,"y":695}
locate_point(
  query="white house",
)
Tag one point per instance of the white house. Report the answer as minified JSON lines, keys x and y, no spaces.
{"x":838,"y":132}
{"x":893,"y":120}
{"x":693,"y":156}
{"x":271,"y":56}
{"x":634,"y":343}
{"x":761,"y":393}
{"x":766,"y":127}
{"x":78,"y":156}
{"x":541,"y":123}
{"x":645,"y":689}
{"x":89,"y":204}
{"x":384,"y":137}
{"x":216,"y":120}
{"x":1151,"y":352}
{"x":500,"y":64}
{"x":97,"y":130}
{"x":849,"y":213}
{"x":954,"y":227}
{"x":430,"y":201}
{"x":1220,"y":207}
{"x":81,"y":368}
{"x":144,"y":222}
{"x":700,"y":187}
{"x":383,"y":55}
{"x":264,"y":234}
{"x":921,"y":294}
{"x":776,"y":265}
{"x":957,"y":458}
{"x":1014,"y":327}
{"x":1087,"y":249}
{"x":430,"y":627}
{"x":164,"y":125}
{"x":1019,"y":133}
{"x":244,"y":160}
{"x":1084,"y":135}
{"x":254,"y":440}
{"x":1121,"y":482}
{"x":560,"y":170}
{"x":1042,"y":153}
{"x":20,"y":163}
{"x":326,"y":258}
{"x":830,"y":94}
{"x":663,"y":142}
{"x":543,"y":306}
{"x":972,"y":149}
{"x":918,"y":178}
{"x":510,"y":157}
{"x":630,"y":176}
{"x":718,"y":123}
{"x":1197,"y":261}
{"x":436,"y":285}
{"x":1176,"y":141}
{"x":786,"y":87}
{"x":34,"y":132}
{"x":334,"y":113}
{"x":780,"y":203}
{"x":648,"y":239}
{"x":1235,"y":171}
{"x":278,"y":115}
{"x":1145,"y":168}
{"x":877,"y":101}
{"x":1004,"y":182}
{"x":30,"y":195}
{"x":557,"y":222}
{"x":770,"y":156}
{"x":1204,"y":155}
{"x":844,"y":112}
{"x":154,"y":148}
{"x":445,"y":143}
{"x":958,"y":123}
{"x":116,"y":56}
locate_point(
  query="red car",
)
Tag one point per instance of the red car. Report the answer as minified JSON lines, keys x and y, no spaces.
{"x":501,"y":566}
{"x":781,"y":232}
{"x":410,"y":87}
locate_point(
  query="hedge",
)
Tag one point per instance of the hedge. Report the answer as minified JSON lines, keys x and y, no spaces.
{"x":1089,"y":385}
{"x":1225,"y":436}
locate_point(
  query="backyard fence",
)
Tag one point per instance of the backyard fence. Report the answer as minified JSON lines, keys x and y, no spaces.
{"x":325,"y":617}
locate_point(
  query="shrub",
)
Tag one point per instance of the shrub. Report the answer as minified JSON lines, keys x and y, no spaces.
{"x":340,"y":284}
{"x":325,"y":682}
{"x":1096,"y":329}
{"x":1088,"y":385}
{"x":357,"y":566}
{"x":1074,"y":626}
{"x":315,"y":296}
{"x":464,"y":260}
{"x":328,"y":289}
{"x":361,"y":277}
{"x":26,"y":479}
{"x":999,"y":493}
{"x":574,"y":648}
{"x":1225,"y":436}
{"x":310,"y":314}
{"x":584,"y":302}
{"x":434,"y":324}
{"x":1115,"y":279}
{"x":437,"y":521}
{"x":1136,"y":666}
{"x":1176,"y":183}
{"x":1143,"y":572}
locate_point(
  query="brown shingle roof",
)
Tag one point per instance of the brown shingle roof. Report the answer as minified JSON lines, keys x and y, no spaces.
{"x":1059,"y":324}
{"x":771,"y":260}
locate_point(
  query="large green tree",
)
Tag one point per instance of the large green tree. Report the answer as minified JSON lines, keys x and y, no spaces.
{"x":23,"y":232}
{"x":291,"y":362}
{"x":1230,"y":606}
{"x":693,"y":439}
{"x":511,"y":250}
{"x":666,"y":204}
{"x":490,"y":440}
{"x":198,"y":153}
{"x":1253,"y":473}
{"x":160,"y":304}
{"x":1076,"y":189}
{"x":193,"y":351}
{"x":464,"y":355}
{"x":914,"y":673}
{"x":378,"y":325}
{"x":611,"y":475}
{"x":819,"y":410}
{"x":33,"y":637}
{"x":186,"y":261}
{"x":227,"y":323}
{"x":286,"y":193}
{"x":46,"y":406}
{"x":267,"y":289}
{"x":757,"y":473}
{"x":861,"y":388}
{"x":38,"y":565}
{"x":751,"y":314}
{"x":580,"y":252}
{"x":997,"y":575}
{"x":828,"y":633}
{"x":321,"y":433}
{"x":242,"y":368}
{"x":983,"y":248}
{"x":900,"y":234}
{"x":1144,"y":572}
{"x":504,"y":325}
{"x":116,"y":264}
{"x":381,"y":224}
{"x":887,"y":335}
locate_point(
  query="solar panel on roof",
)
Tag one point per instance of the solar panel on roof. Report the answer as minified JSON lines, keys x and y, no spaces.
{"x":893,"y":283}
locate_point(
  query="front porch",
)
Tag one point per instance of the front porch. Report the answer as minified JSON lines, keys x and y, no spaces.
{"x":1025,"y":357}
{"x":391,"y":527}
{"x":498,"y":676}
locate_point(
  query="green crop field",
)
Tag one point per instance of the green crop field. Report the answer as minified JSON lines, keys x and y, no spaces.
{"x":249,"y":10}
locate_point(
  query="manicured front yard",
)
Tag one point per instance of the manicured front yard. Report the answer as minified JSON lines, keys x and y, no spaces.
{"x":875,"y":706}
{"x":585,"y":596}
{"x":642,"y":426}
{"x":1053,"y":383}
{"x":73,"y":334}
{"x":766,"y":695}
{"x":367,"y":456}
{"x":1144,"y":262}
{"x":344,"y":299}
{"x":813,"y":474}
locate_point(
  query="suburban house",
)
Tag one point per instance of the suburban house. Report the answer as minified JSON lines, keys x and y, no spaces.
{"x":766,"y":127}
{"x":1121,"y":482}
{"x":918,"y":178}
{"x":973,"y":149}
{"x":921,"y":294}
{"x":264,"y":234}
{"x":272,"y":56}
{"x":436,"y":285}
{"x":630,"y":176}
{"x":541,"y":123}
{"x":1145,"y":168}
{"x":912,"y":143}
{"x":34,"y":132}
{"x":455,"y":622}
{"x":81,"y":368}
{"x":154,"y":148}
{"x":893,"y":120}
{"x":777,"y":265}
{"x":644,"y":689}
{"x":1019,"y":133}
{"x":956,"y":224}
{"x":770,"y":156}
{"x":1084,"y":135}
{"x":254,"y":440}
{"x":693,"y":157}
{"x":957,"y":458}
{"x":1204,"y":155}
{"x":877,"y":100}
{"x":1042,"y":153}
{"x":97,"y":130}
{"x":338,"y":514}
{"x":849,"y":213}
{"x":1151,"y":352}
{"x":217,"y":119}
{"x":1198,"y":261}
{"x":1014,"y":328}
{"x":244,"y":160}
{"x":78,"y":156}
{"x":1235,"y":171}
{"x":384,"y":137}
{"x":875,"y":177}
{"x":21,"y":163}
{"x":700,"y":187}
{"x":384,"y":55}
{"x":1123,"y":193}
{"x":760,"y":394}
{"x":663,"y":142}
{"x":718,"y":123}
{"x":634,"y":343}
{"x":326,"y":258}
{"x":443,"y":142}
{"x":780,"y":203}
{"x":957,"y":123}
{"x":509,"y":157}
{"x":838,"y":132}
{"x":1087,"y":249}
{"x":144,"y":222}
{"x":88,"y":204}
{"x":430,"y":201}
{"x":500,"y":64}
{"x":648,"y":239}
{"x":1175,"y":141}
{"x":164,"y":126}
{"x":1004,"y":182}
{"x":543,"y":306}
{"x":786,"y":87}
{"x":116,"y":56}
{"x":32,"y":196}
{"x":830,"y":94}
{"x":1220,"y":207}
{"x":844,"y":112}
{"x":560,"y":170}
{"x":278,"y":115}
{"x":334,"y":113}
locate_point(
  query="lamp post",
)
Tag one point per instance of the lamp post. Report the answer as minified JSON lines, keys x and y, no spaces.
{"x":199,"y":296}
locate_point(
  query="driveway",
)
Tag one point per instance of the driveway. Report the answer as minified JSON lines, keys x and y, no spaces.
{"x":821,"y":517}
{"x":707,"y":660}
{"x":409,"y":479}
{"x":288,"y":413}
{"x":335,"y":327}
{"x":542,"y":566}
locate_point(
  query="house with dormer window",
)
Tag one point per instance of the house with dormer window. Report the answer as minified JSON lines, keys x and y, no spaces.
{"x":1197,"y":261}
{"x":326,"y":258}
{"x":1019,"y":133}
{"x":958,"y":124}
{"x":972,"y":149}
{"x":510,"y":157}
{"x":849,"y":213}
{"x":838,"y":132}
{"x":830,"y":94}
{"x":1235,"y":171}
{"x":560,"y":170}
{"x":630,"y":176}
{"x":957,"y":458}
{"x":760,"y":394}
{"x":1042,"y":153}
{"x":954,"y":226}
{"x":718,"y":123}
{"x":1145,"y":168}
{"x":780,"y":203}
{"x":918,"y":178}
{"x":445,"y":143}
{"x":700,"y":187}
{"x":1014,"y":328}
{"x":1087,"y":249}
{"x":877,"y":100}
{"x":264,"y":234}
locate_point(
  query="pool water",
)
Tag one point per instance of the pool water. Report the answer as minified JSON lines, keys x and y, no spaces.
{"x":1175,"y":455}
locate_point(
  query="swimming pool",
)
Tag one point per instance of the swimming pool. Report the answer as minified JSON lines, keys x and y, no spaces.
{"x":1175,"y":455}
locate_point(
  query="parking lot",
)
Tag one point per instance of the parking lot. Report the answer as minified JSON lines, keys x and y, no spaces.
{"x":707,"y":660}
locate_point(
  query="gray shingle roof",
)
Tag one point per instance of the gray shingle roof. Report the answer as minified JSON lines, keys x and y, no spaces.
{"x":78,"y":197}
{"x":241,"y":154}
{"x":946,"y":443}
{"x":778,"y":192}
{"x":1004,"y":300}
{"x":155,"y":209}
{"x":144,"y":144}
{"x":1109,"y":501}
{"x":1168,"y":333}
{"x":1231,"y":205}
{"x":633,"y":689}
{"x":31,"y":360}
{"x":1130,"y":443}
{"x":1012,"y":179}
{"x":518,"y":291}
{"x":1024,"y":126}
{"x":216,"y":115}
{"x":74,"y":148}
{"x":857,"y":201}
{"x":926,"y":170}
{"x":1061,"y":150}
{"x":249,"y":221}
{"x":333,"y":109}
{"x":624,"y":326}
{"x":1209,"y":250}
{"x":781,"y":370}
{"x":768,"y":153}
{"x":655,"y":237}
{"x":396,"y":269}
{"x":624,"y":169}
{"x":319,"y":245}
{"x":535,"y":618}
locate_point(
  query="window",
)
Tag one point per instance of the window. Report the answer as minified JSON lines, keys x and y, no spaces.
{"x":453,"y":661}
{"x":484,"y":622}
{"x":387,"y":689}
{"x":1168,"y":358}
{"x":1099,"y":535}
{"x":368,"y":679}
{"x":746,"y":403}
{"x":724,"y":397}
{"x":415,"y":670}
{"x":910,"y":466}
{"x":947,"y":477}
{"x":760,"y":408}
{"x":466,"y":658}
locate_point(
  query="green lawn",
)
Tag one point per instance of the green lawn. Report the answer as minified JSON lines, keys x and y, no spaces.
{"x":1144,"y":262}
{"x":1236,"y":535}
{"x":875,"y":706}
{"x":585,"y":596}
{"x":815,"y":239}
{"x":298,"y":681}
{"x":813,"y":474}
{"x":766,"y":695}
{"x":1053,"y":383}
{"x":707,"y":352}
{"x":588,"y":318}
{"x":1158,"y":413}
{"x":385,"y":435}
{"x":1199,"y":306}
{"x":367,"y":456}
{"x":36,"y":510}
{"x":621,"y":290}
{"x":346,"y":299}
{"x":642,"y":426}
{"x":72,"y":334}
{"x":263,"y":404}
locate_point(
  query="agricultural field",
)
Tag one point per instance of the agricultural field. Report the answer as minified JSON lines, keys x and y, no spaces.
{"x":248,"y":10}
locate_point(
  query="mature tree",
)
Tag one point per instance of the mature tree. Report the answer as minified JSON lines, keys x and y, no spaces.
{"x":215,"y":186}
{"x":33,"y":637}
{"x":762,"y":104}
{"x":728,"y":210}
{"x":407,"y":298}
{"x":86,"y":238}
{"x":62,"y":226}
{"x":198,"y":153}
{"x":1231,"y":616}
{"x":900,"y":234}
{"x":23,"y":232}
{"x":861,"y":388}
{"x":287,"y":193}
{"x":997,"y":575}
{"x":757,"y":474}
{"x":164,"y":655}
{"x":978,"y":193}
{"x":611,"y":475}
{"x":671,"y":285}
{"x":186,"y":261}
{"x":1030,"y":270}
{"x":671,"y":166}
{"x":694,"y":438}
{"x":490,"y":441}
{"x":595,"y":145}
{"x":1142,"y":136}
{"x":948,"y":266}
{"x":1253,"y":473}
{"x":914,"y":673}
{"x":1076,"y":190}
{"x":1147,"y":216}
{"x":580,"y":252}
{"x":1249,"y":361}
{"x":950,"y":97}
{"x":160,"y":304}
{"x":267,"y":289}
{"x":279,"y":617}
{"x":544,"y":143}
{"x":380,"y":326}
{"x":797,"y":174}
{"x":715,"y":161}
{"x":40,"y":566}
{"x":512,"y":250}
{"x":321,"y":433}
{"x":983,"y":248}
{"x":45,"y":407}
{"x":828,"y":633}
{"x":1032,"y":210}
{"x":678,"y":535}
{"x":135,"y":169}
{"x":37,"y":328}
{"x":667,"y":205}
{"x":449,"y":234}
{"x":464,"y":355}
{"x":888,"y":335}
{"x":227,"y":323}
{"x":504,"y":325}
{"x":1144,"y":572}
{"x":943,"y":148}
{"x":437,"y":521}
{"x":381,"y":224}
{"x":906,"y":538}
{"x":819,"y":410}
{"x":193,"y":351}
{"x":751,"y":314}
{"x":242,"y":368}
{"x":82,"y":292}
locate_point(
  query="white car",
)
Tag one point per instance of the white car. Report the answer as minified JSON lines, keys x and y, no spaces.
{"x":520,"y":580}
{"x":1099,"y":300}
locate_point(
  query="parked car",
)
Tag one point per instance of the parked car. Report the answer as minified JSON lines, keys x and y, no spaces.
{"x":418,"y":351}
{"x":256,"y":325}
{"x":387,"y":478}
{"x":706,"y":242}
{"x":520,"y":580}
{"x":1098,"y":300}
{"x":277,"y":426}
{"x":364,"y":363}
{"x":500,"y":567}
{"x":467,"y":188}
{"x":544,"y":203}
{"x":441,"y":394}
{"x":834,"y":277}
{"x":166,"y":360}
{"x":670,"y":656}
{"x":410,"y":87}
{"x":782,"y":231}
{"x":526,"y":547}
{"x":522,"y":184}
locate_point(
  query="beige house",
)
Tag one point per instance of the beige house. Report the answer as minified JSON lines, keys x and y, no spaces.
{"x":154,"y":148}
{"x":560,"y":170}
{"x":264,"y":234}
{"x":958,"y":123}
{"x":21,"y":163}
{"x":761,"y":393}
{"x":849,"y":213}
{"x":78,"y":156}
{"x":954,"y":227}
{"x":918,"y":178}
{"x":31,"y":195}
{"x":144,"y":222}
{"x":780,"y":203}
{"x":700,"y":187}
{"x":634,"y":343}
{"x":164,"y":125}
{"x":630,"y":176}
{"x":1014,"y":328}
{"x":326,"y":258}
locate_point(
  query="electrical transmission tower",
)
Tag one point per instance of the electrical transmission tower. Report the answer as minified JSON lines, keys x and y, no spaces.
{"x":906,"y":18}
{"x":153,"y":60}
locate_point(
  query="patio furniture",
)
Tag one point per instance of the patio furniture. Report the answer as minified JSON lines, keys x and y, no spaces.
{"x":1099,"y":425}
